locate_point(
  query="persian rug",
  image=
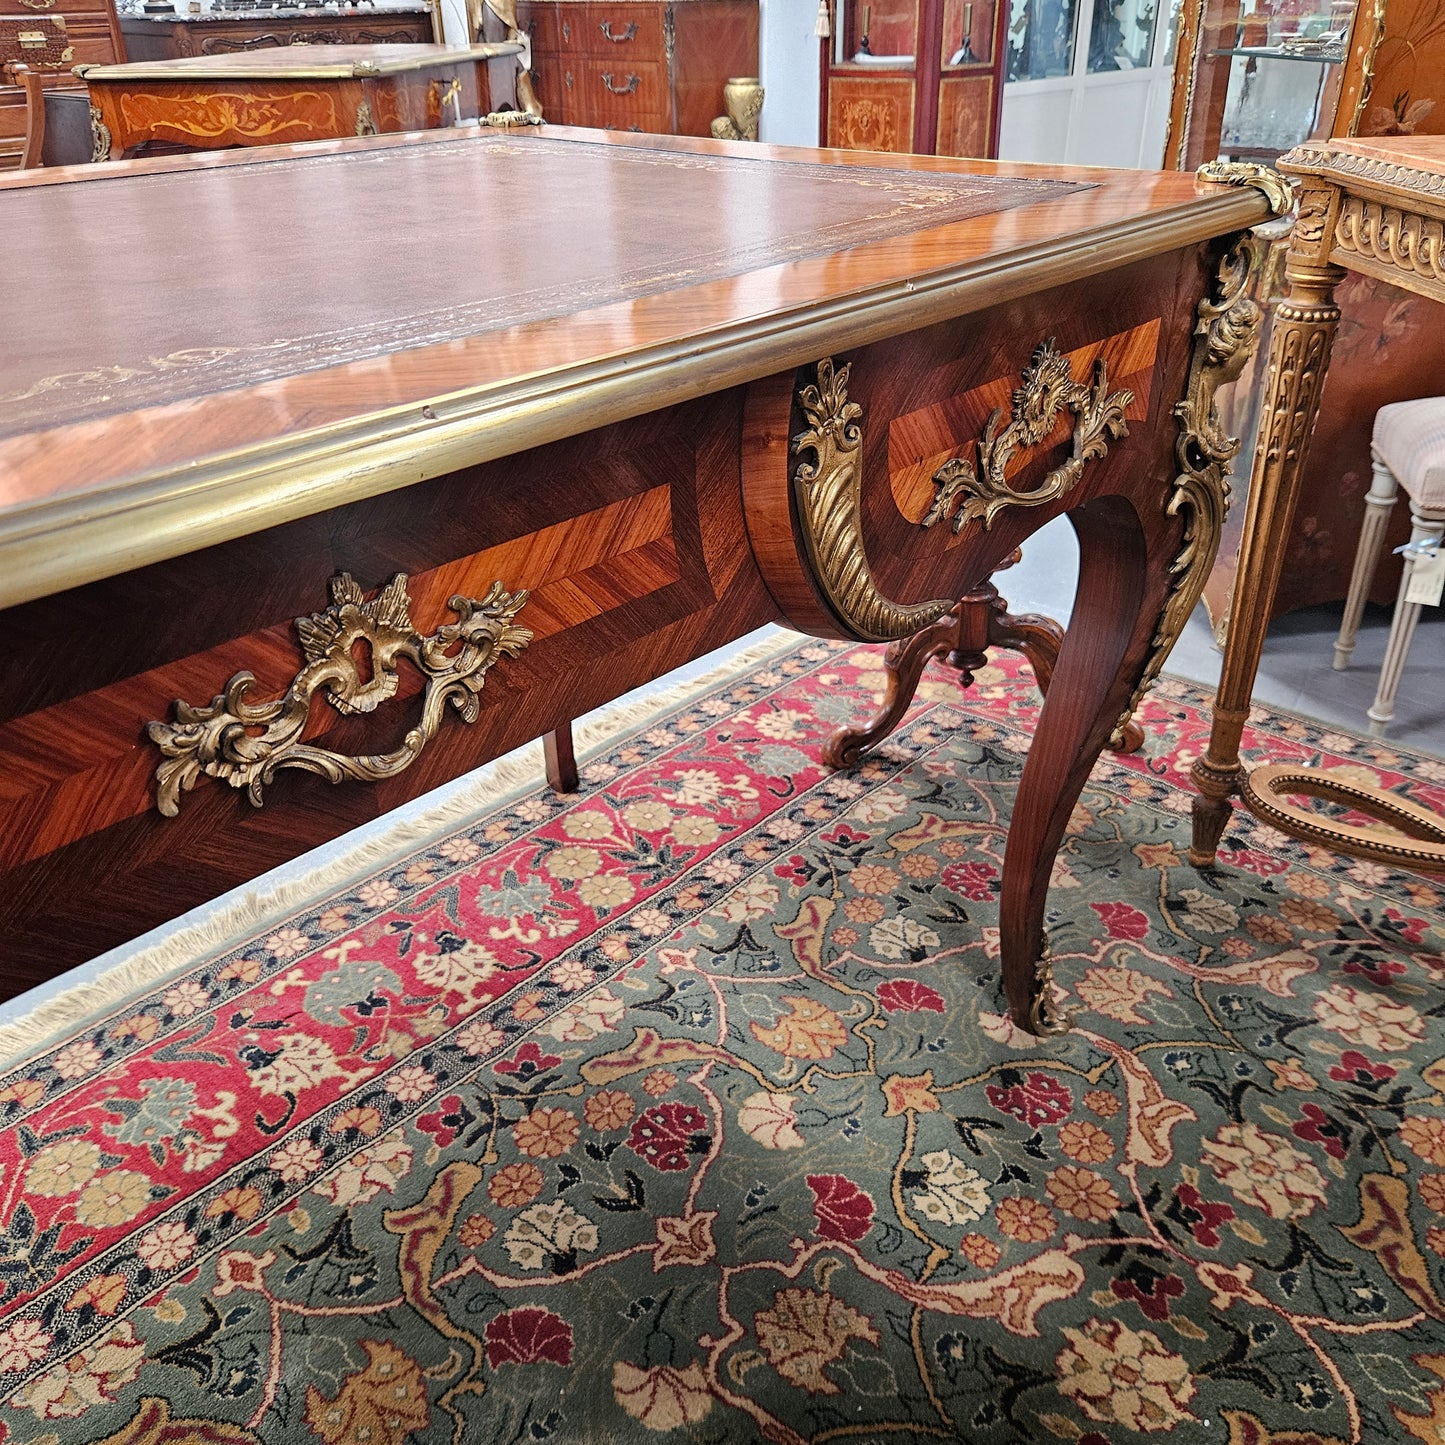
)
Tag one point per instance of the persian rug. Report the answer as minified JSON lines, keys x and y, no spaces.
{"x":685,"y":1109}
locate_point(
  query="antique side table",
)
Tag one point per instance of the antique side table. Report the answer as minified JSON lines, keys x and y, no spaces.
{"x":1377,"y":207}
{"x":295,"y":93}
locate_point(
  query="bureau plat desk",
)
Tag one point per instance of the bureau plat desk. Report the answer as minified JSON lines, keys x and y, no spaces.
{"x":602,"y":404}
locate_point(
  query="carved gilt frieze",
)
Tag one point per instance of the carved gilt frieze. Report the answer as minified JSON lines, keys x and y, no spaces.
{"x":1403,"y":241}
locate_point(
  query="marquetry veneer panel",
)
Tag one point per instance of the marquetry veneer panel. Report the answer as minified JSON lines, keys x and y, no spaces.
{"x":629,"y":539}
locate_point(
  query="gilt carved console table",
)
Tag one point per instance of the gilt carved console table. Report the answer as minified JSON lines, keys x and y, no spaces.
{"x":833,"y":390}
{"x":1377,"y":207}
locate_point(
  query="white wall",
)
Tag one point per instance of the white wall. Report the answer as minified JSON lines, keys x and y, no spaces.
{"x":789,"y":66}
{"x":454,"y":22}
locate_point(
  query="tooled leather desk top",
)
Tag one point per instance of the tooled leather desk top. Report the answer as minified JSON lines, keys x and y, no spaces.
{"x":166,"y":286}
{"x":200,"y":347}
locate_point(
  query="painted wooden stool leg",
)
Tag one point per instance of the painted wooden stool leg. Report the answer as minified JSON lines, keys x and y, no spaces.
{"x":561,"y":760}
{"x":1429,"y":524}
{"x":1379,"y":503}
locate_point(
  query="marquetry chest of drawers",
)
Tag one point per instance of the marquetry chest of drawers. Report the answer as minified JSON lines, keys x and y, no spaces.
{"x":640,"y":64}
{"x":86,"y":29}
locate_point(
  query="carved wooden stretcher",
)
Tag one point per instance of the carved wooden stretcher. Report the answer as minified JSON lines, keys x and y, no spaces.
{"x":835,"y":390}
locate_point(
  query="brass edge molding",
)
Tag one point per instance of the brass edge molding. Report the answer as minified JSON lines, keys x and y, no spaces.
{"x":1401,"y":240}
{"x":1264,"y":179}
{"x":1226,"y":334}
{"x":221,"y":739}
{"x":1048,"y":388}
{"x":64,"y":542}
{"x":827,"y":493}
{"x":1417,"y":840}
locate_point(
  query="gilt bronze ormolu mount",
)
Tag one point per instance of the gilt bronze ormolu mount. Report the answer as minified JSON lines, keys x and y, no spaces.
{"x":246,"y":744}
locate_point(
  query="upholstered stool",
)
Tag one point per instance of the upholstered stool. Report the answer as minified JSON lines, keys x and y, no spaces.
{"x":1408,"y":450}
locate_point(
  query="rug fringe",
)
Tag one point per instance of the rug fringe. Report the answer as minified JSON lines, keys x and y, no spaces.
{"x":255,"y":908}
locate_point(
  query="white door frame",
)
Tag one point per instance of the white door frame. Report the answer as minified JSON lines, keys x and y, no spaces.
{"x":1029,"y":134}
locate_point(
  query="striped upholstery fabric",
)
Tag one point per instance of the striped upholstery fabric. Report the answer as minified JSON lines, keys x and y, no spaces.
{"x":1410,"y":439}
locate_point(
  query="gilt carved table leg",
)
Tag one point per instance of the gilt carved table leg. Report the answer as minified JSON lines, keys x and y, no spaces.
{"x":1304,"y":328}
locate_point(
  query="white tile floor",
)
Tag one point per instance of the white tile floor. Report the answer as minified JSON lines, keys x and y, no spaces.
{"x":1295,"y":672}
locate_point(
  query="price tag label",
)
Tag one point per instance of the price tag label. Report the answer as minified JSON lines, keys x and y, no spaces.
{"x":1427,"y":580}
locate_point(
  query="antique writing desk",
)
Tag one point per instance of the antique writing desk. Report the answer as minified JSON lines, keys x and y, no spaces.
{"x":296,"y":93}
{"x":607,"y":403}
{"x":1377,"y":207}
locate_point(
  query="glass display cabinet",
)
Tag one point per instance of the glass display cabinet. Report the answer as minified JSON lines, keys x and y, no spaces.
{"x":1255,"y":77}
{"x":915,"y":75}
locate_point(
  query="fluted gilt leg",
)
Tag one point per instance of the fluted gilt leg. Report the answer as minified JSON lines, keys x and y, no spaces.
{"x":1303,"y":332}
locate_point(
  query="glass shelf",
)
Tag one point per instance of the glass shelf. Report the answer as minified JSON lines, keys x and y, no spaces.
{"x":1267,"y":52}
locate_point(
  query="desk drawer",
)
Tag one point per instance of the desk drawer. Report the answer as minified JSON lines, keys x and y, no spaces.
{"x":571,"y":29}
{"x":625,"y":33}
{"x":619,"y":93}
{"x":555,"y":81}
{"x":649,"y":123}
{"x":630,"y":542}
{"x":540,"y":22}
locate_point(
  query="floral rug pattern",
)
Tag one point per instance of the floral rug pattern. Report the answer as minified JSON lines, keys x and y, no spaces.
{"x":685,"y":1108}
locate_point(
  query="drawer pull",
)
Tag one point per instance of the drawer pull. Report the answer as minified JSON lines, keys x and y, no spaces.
{"x":633,"y":81}
{"x":627,"y":34}
{"x":247,"y":743}
{"x":566,"y":30}
{"x":568,"y":79}
{"x":37,"y":4}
